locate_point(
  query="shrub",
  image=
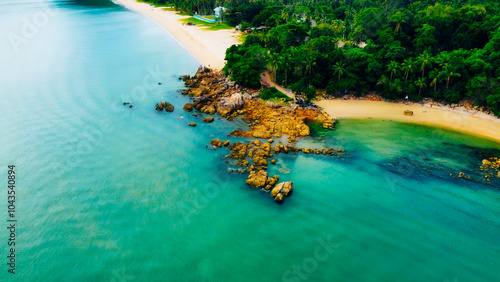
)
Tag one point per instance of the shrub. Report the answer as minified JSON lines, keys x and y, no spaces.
{"x":273,"y":93}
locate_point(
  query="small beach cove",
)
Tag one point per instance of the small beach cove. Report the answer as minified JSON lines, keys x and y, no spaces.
{"x":478,"y":124}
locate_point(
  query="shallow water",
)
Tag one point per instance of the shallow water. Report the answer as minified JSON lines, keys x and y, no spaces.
{"x":109,"y":193}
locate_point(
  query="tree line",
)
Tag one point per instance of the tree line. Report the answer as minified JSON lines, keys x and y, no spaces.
{"x":445,"y":50}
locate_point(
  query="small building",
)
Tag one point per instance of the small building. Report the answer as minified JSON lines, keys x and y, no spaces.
{"x":219,"y":10}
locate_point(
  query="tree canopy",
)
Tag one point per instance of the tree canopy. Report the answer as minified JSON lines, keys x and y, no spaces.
{"x":446,"y":50}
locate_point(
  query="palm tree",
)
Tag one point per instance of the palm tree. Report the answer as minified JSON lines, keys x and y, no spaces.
{"x":285,"y":15}
{"x":264,"y":37}
{"x":449,"y":74}
{"x":273,"y":63}
{"x":339,"y":68}
{"x":284,"y":61}
{"x":309,"y":62}
{"x":424,"y":58}
{"x":398,"y":18}
{"x":392,"y":67}
{"x":406,"y":66}
{"x":435,"y":75}
{"x":420,"y":83}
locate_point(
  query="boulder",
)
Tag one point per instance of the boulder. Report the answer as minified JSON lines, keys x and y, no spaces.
{"x":257,"y":178}
{"x":169,"y":107}
{"x":239,"y":151}
{"x":216,"y":142}
{"x":266,"y":147}
{"x":272,"y":105}
{"x":260,"y":179}
{"x":164,"y":106}
{"x":208,"y":119}
{"x":286,"y":188}
{"x":259,"y":160}
{"x":208,"y":109}
{"x":188,"y":107}
{"x":227,"y":105}
{"x":246,"y":97}
{"x":408,"y":113}
{"x":328,"y":123}
{"x":193,"y":124}
{"x":279,"y":198}
{"x":486,"y":162}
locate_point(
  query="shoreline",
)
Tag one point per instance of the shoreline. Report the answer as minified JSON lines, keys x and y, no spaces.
{"x":208,"y":46}
{"x":478,"y":124}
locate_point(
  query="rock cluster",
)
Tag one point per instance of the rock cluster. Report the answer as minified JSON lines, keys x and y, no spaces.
{"x":212,"y":93}
{"x":165,"y":106}
{"x":289,"y":120}
{"x":491,"y":168}
{"x":253,"y":157}
{"x":260,"y":179}
{"x":188,"y":107}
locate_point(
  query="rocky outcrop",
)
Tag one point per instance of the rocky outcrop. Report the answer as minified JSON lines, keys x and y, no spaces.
{"x":213,"y":93}
{"x":260,"y":179}
{"x":329,"y":123}
{"x":281,"y":190}
{"x":228,"y":105}
{"x":270,"y":122}
{"x":188,"y":107}
{"x":208,"y":109}
{"x":491,"y":168}
{"x":164,"y":106}
{"x":216,"y":143}
{"x":208,"y":119}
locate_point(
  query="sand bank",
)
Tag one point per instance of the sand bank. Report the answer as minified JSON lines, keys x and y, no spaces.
{"x":478,"y":123}
{"x":208,"y":46}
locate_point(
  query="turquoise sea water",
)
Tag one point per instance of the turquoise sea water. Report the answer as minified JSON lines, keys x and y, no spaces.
{"x":109,"y":193}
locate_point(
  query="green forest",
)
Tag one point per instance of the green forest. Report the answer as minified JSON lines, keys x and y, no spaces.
{"x":446,"y":50}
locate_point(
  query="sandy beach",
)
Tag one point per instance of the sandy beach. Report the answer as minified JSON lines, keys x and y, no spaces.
{"x":479,"y":124}
{"x":208,"y":46}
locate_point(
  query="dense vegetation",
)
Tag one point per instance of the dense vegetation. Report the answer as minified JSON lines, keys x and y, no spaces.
{"x":274,"y":94}
{"x":446,"y":50}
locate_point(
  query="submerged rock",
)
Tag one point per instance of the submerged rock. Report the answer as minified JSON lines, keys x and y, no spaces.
{"x":193,"y":124}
